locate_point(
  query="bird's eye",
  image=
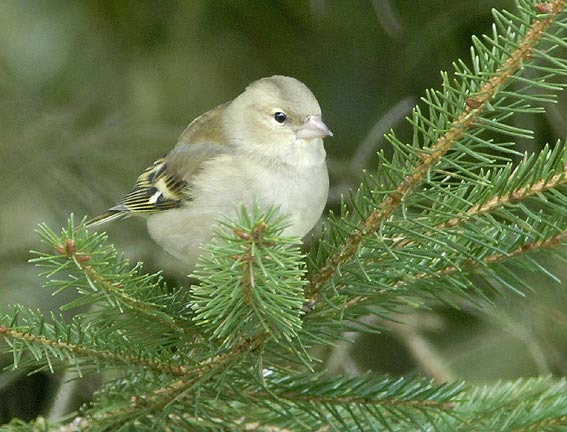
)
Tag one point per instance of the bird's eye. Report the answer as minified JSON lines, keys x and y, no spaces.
{"x":280,"y":117}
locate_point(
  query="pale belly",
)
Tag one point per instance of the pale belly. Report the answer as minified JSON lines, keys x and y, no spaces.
{"x":300,"y":195}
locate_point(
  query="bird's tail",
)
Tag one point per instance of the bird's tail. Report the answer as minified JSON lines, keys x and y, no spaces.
{"x":109,"y":216}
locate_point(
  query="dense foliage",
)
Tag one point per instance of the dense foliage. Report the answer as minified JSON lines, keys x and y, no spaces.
{"x":456,"y":216}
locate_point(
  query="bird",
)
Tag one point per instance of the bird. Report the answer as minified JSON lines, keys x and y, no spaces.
{"x":263,"y":148}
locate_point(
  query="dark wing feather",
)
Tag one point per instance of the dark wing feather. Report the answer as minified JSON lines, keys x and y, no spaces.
{"x":156,"y":189}
{"x":165,"y":184}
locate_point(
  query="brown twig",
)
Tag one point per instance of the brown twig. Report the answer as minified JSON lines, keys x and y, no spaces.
{"x":84,"y":351}
{"x":557,"y":180}
{"x":457,"y":129}
{"x":81,"y":260}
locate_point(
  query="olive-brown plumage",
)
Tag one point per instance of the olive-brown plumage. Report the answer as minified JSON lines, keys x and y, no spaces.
{"x":265,"y":146}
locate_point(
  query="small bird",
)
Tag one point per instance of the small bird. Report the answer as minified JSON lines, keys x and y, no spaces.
{"x":264,"y":147}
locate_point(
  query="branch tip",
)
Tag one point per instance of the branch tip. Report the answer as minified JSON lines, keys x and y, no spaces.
{"x":544,"y":7}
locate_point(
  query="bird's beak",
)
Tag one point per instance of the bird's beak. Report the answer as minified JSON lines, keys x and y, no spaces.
{"x":313,"y":127}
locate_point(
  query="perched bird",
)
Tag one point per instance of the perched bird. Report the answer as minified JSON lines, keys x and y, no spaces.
{"x":265,"y":146}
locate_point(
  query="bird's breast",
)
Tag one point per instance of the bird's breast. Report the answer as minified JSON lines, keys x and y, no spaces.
{"x":228,"y":182}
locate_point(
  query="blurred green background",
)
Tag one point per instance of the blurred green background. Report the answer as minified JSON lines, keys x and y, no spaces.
{"x":92,"y":92}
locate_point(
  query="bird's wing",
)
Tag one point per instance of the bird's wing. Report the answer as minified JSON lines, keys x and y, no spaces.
{"x":166,"y":184}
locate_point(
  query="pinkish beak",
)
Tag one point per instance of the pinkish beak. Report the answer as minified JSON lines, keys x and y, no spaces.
{"x":313,"y":127}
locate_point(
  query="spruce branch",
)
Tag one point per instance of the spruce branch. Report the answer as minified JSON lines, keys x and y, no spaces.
{"x":225,"y":354}
{"x":485,"y":264}
{"x":150,"y":400}
{"x":77,"y":343}
{"x":461,"y":272}
{"x":302,"y":400}
{"x":251,"y":282}
{"x":520,"y":194}
{"x":475,"y":105}
{"x":75,"y":250}
{"x":534,"y":177}
{"x":524,"y":405}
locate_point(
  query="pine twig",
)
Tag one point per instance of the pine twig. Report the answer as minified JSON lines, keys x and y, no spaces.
{"x":83,"y":351}
{"x":474,"y":107}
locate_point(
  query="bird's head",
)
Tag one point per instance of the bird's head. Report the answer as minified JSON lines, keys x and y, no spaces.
{"x":277,"y":118}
